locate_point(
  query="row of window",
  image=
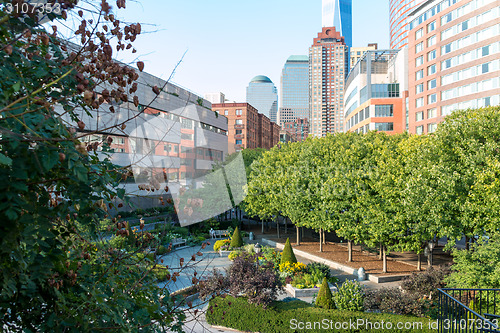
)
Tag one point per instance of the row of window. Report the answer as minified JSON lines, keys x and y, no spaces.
{"x":470,"y":72}
{"x":471,"y":55}
{"x":431,"y":84}
{"x":431,"y":113}
{"x":471,"y":104}
{"x":471,"y":88}
{"x":461,"y":43}
{"x":470,"y":23}
{"x":430,"y":128}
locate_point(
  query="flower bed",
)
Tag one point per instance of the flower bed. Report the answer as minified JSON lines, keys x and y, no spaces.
{"x":305,"y":292}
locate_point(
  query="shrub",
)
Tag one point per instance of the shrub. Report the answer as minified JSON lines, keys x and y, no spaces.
{"x":214,"y":284}
{"x":316,"y":268}
{"x":324,"y":299}
{"x":287,"y":255}
{"x":183,"y":232}
{"x":249,"y":248}
{"x":236,"y":240}
{"x":236,"y":313}
{"x":393,"y":300}
{"x":222,"y":244}
{"x":260,"y":284}
{"x":292,"y":268}
{"x":350,"y":296}
{"x":272,"y":256}
{"x":427,"y":282}
{"x":234,"y":254}
{"x":302,"y":281}
{"x":161,"y":250}
{"x":161,"y":273}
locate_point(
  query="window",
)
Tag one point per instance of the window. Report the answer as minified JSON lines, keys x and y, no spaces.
{"x":431,"y":26}
{"x":419,"y":47}
{"x":176,"y":149}
{"x":384,"y":126}
{"x":446,"y":49}
{"x":367,"y":113}
{"x":187,"y":123}
{"x":419,"y":102}
{"x":431,"y":99}
{"x":431,"y":55}
{"x":431,"y":128}
{"x":431,"y":84}
{"x":226,"y":112}
{"x":485,"y":68}
{"x":431,"y":69}
{"x":446,"y":64}
{"x":446,"y":18}
{"x":185,"y":150}
{"x":485,"y":51}
{"x":419,"y":75}
{"x":419,"y":61}
{"x":239,"y":112}
{"x":431,"y":41}
{"x":186,"y":136}
{"x":419,"y":116}
{"x":384,"y":110}
{"x":239,"y":131}
{"x":420,"y":129}
{"x":419,"y":88}
{"x":239,"y":121}
{"x":200,"y":151}
{"x":431,"y":113}
{"x":119,"y":150}
{"x":419,"y":33}
{"x":239,"y":142}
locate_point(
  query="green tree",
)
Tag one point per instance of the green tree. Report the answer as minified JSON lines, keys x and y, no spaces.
{"x":287,"y":255}
{"x":325,"y":297}
{"x":236,"y":240}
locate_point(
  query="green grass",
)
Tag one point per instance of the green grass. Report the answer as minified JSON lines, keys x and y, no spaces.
{"x":238,"y":314}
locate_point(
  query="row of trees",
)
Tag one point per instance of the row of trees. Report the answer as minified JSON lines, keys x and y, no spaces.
{"x":398,"y":192}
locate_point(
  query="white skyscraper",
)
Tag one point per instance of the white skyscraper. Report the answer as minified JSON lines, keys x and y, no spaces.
{"x":338,"y":14}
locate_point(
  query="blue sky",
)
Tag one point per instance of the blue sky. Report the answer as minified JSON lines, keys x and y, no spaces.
{"x":228,"y":42}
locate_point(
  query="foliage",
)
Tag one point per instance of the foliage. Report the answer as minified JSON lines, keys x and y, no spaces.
{"x":478,"y":267}
{"x":235,"y":253}
{"x":222,"y":244}
{"x":393,"y":300}
{"x":258,"y":283}
{"x":287,"y":255}
{"x":161,"y":273}
{"x":161,"y":250}
{"x":272,"y":256}
{"x":426,"y":283}
{"x":215,"y":284}
{"x":236,"y":240}
{"x":324,"y":299}
{"x":305,"y":280}
{"x":317,"y":268}
{"x":349,"y":296}
{"x":279,"y":316}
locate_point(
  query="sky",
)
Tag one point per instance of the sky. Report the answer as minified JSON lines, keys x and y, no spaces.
{"x":223,"y":44}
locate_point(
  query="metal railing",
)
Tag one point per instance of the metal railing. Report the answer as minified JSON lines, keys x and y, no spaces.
{"x":469,"y":310}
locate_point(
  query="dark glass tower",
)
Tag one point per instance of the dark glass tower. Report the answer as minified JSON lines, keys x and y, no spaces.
{"x":338,"y":14}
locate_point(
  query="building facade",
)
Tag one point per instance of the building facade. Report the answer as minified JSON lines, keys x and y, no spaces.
{"x":294,"y":98}
{"x":328,"y":67}
{"x":298,"y":129}
{"x":215,"y":98}
{"x":398,"y":17}
{"x":338,"y":14}
{"x":376,"y":91}
{"x":454,"y":51}
{"x":247,"y":128}
{"x":357,"y":52}
{"x":263,"y":95}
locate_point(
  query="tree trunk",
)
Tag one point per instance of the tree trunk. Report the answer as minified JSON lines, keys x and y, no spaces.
{"x":349,"y":247}
{"x":298,"y":236}
{"x":429,"y":259}
{"x":320,"y":240}
{"x":384,"y":254}
{"x":419,"y":262}
{"x":324,"y":238}
{"x":262,"y":226}
{"x":286,"y":225}
{"x":467,"y":240}
{"x":380,"y":252}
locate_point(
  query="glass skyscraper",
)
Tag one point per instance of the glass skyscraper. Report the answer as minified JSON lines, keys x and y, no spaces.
{"x":263,"y":95}
{"x":294,"y":98}
{"x":338,"y":14}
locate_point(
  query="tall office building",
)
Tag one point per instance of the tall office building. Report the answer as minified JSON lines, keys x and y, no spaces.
{"x":338,"y":14}
{"x":328,"y":67}
{"x":357,"y":53}
{"x":398,"y":16}
{"x":454,"y":60}
{"x":263,"y":95}
{"x":294,"y":98}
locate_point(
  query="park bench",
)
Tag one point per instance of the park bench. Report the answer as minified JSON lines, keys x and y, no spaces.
{"x":177,"y":241}
{"x":218,"y":233}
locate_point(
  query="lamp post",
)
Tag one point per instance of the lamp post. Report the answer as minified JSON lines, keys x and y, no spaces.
{"x":257,"y":248}
{"x":428,"y":252}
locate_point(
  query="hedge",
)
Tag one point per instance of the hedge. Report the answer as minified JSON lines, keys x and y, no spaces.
{"x":237,"y":313}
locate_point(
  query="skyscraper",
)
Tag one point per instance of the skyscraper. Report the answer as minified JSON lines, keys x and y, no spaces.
{"x":399,"y":11}
{"x":338,"y":14}
{"x":328,"y":66}
{"x":294,"y":98}
{"x":263,"y":95}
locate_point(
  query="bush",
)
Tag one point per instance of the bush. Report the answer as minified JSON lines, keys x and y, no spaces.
{"x":161,"y":250}
{"x":287,"y":255}
{"x":222,"y":244}
{"x":316,"y":268}
{"x":238,"y":314}
{"x":324,"y":299}
{"x":350,"y":296}
{"x":427,"y":282}
{"x":183,"y":232}
{"x":236,"y":240}
{"x":236,"y":253}
{"x":271,"y":256}
{"x":161,"y":273}
{"x":393,"y":300}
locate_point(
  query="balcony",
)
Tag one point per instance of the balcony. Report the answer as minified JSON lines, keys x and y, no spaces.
{"x":237,"y":126}
{"x":239,"y":136}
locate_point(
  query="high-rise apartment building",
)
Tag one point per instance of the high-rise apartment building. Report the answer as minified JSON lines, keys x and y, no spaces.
{"x":376,"y":90}
{"x":294,"y":97}
{"x":328,"y":67}
{"x":358,"y":52}
{"x":398,"y":17}
{"x":263,"y":95}
{"x":215,"y":98}
{"x":338,"y":14}
{"x":246,"y":128}
{"x":454,"y":59}
{"x":298,"y":129}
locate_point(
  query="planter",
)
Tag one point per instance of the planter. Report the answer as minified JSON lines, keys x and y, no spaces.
{"x":224,"y":253}
{"x":306,"y":292}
